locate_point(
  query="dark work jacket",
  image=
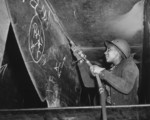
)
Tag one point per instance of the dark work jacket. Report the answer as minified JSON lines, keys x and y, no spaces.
{"x":123,"y":81}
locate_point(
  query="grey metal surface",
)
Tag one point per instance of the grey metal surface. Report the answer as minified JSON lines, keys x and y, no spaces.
{"x":45,"y":51}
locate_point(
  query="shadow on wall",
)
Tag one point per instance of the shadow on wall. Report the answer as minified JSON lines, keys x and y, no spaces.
{"x":16,"y":88}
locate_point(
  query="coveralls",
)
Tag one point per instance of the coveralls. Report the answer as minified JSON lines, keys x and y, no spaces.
{"x":123,"y":82}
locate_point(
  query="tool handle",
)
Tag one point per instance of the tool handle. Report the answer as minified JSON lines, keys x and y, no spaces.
{"x":101,"y":89}
{"x":103,"y":98}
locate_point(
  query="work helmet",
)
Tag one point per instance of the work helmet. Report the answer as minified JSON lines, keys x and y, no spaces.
{"x":122,"y":45}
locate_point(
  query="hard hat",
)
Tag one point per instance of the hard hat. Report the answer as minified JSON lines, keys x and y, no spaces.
{"x":122,"y":45}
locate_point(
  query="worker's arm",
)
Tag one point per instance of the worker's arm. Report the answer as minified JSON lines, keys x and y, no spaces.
{"x":125,"y":83}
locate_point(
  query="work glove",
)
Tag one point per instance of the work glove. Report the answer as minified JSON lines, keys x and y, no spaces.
{"x":96,"y":70}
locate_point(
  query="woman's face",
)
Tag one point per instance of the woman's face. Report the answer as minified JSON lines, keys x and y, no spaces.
{"x":111,"y":54}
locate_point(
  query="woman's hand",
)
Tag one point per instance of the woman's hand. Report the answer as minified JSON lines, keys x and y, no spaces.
{"x":96,"y":70}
